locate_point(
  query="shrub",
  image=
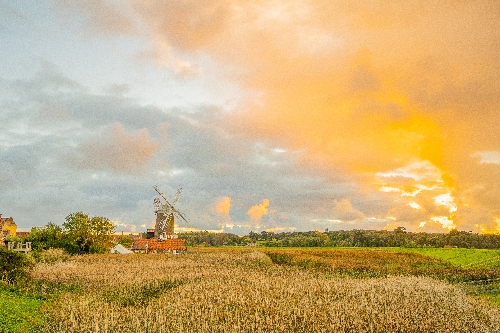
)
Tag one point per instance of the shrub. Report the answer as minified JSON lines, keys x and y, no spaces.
{"x":14,"y":266}
{"x":280,"y":258}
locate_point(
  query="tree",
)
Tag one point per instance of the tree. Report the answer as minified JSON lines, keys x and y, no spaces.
{"x":126,"y":241}
{"x":51,"y":236}
{"x":91,"y":234}
{"x":400,"y":229}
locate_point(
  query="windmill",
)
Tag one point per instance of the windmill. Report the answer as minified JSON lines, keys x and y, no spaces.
{"x":164,"y":226}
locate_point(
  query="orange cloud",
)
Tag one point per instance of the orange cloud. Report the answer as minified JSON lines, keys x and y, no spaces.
{"x":223,"y":205}
{"x":257,"y":211}
{"x":364,"y":88}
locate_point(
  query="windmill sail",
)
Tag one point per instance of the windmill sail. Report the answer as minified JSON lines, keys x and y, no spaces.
{"x":164,"y":226}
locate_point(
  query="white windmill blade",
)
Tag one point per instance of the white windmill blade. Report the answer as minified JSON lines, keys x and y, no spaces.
{"x":181,"y":216}
{"x":177,"y":196}
{"x":161,"y":194}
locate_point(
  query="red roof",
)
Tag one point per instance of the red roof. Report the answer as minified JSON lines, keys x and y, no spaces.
{"x":154,"y":244}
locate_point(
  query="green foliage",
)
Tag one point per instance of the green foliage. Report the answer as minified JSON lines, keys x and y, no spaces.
{"x":48,"y":290}
{"x":205,"y":238}
{"x":14,"y":239}
{"x":14,"y":266}
{"x":51,"y":236}
{"x":18,"y":313}
{"x":472,"y":258}
{"x":378,"y":238}
{"x":91,"y":234}
{"x":280,"y":258}
{"x":79,"y":234}
{"x":352,"y":238}
{"x":126,"y":241}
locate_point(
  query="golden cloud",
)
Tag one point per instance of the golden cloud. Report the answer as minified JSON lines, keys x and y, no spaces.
{"x":223,"y":205}
{"x":257,"y":211}
{"x":365,"y":87}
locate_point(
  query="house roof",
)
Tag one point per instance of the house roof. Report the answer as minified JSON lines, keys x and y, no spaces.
{"x":120,"y":249}
{"x":153,"y":244}
{"x":7,"y":221}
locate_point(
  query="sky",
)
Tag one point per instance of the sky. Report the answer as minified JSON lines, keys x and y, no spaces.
{"x":272,"y":115}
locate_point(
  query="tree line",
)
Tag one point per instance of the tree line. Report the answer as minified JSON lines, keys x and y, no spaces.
{"x":351,"y":238}
{"x":81,"y":233}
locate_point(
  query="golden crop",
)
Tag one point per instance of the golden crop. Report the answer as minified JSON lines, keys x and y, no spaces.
{"x":243,"y":291}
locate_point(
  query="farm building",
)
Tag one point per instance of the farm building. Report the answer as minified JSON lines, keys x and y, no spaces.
{"x":153,"y":245}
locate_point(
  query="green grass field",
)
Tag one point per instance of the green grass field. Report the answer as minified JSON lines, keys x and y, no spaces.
{"x":468,"y":258}
{"x":18,"y":313}
{"x":473,"y":258}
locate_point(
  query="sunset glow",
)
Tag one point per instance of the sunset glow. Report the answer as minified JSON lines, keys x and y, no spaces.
{"x":342,"y":115}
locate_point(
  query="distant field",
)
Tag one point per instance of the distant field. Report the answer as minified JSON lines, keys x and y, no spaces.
{"x":474,"y":258}
{"x":256,"y":290}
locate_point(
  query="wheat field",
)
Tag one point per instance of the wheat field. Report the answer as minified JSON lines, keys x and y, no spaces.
{"x":243,"y":291}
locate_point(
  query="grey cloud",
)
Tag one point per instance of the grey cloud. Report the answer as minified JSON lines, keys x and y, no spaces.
{"x":57,"y":119}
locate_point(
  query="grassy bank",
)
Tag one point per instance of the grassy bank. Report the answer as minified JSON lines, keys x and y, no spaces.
{"x":19,"y":313}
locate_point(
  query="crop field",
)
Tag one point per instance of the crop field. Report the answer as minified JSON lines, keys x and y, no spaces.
{"x":259,"y":290}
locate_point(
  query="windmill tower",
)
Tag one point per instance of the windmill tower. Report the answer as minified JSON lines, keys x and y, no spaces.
{"x":162,"y":239}
{"x":165,"y":212}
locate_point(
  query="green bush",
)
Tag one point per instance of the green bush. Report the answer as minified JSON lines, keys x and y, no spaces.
{"x":14,"y":266}
{"x":280,"y":258}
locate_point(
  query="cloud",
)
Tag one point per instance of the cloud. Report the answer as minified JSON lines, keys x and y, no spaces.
{"x":344,"y":211}
{"x":385,"y":104}
{"x":223,"y":205}
{"x":101,"y":17}
{"x":257,"y":211}
{"x":116,"y":150}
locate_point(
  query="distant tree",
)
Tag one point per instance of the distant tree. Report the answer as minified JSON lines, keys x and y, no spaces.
{"x":126,"y":241}
{"x":253,"y":236}
{"x":91,"y":234}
